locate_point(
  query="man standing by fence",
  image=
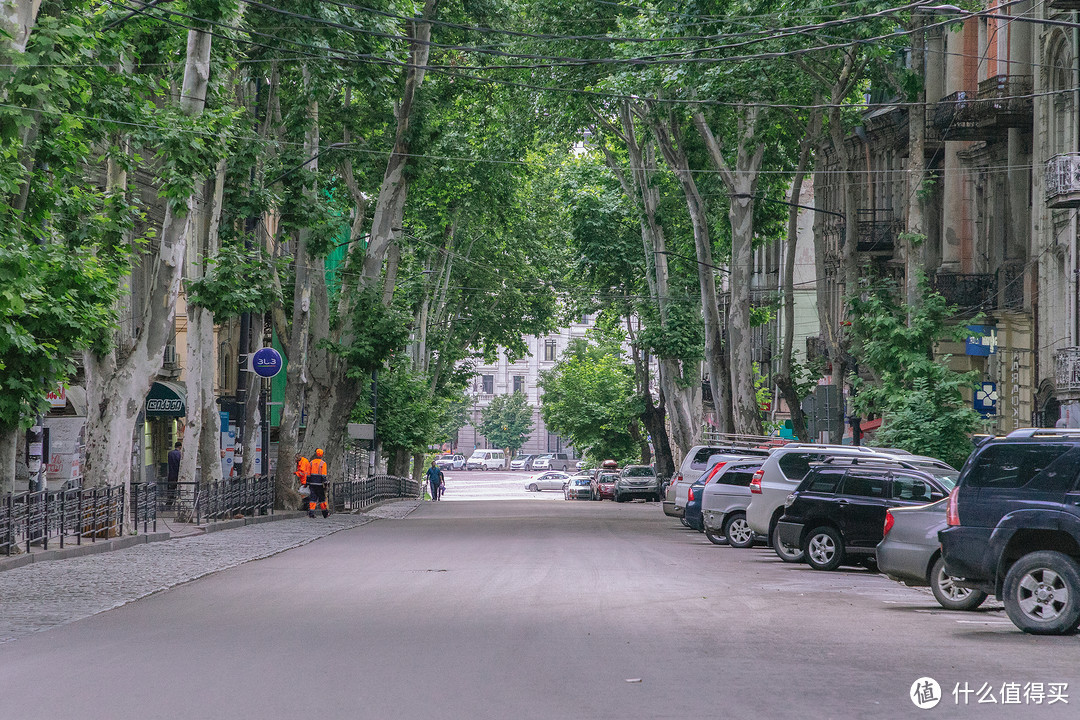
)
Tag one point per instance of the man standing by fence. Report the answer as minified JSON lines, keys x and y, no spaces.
{"x":316,"y":481}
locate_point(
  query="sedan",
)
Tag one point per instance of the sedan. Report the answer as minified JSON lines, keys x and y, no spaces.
{"x":604,"y":485}
{"x":450,"y":462}
{"x":578,"y":487}
{"x":547,"y":481}
{"x":911,"y":554}
{"x":522,"y":462}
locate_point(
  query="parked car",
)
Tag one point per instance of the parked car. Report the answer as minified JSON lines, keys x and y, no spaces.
{"x":604,"y":484}
{"x":486,"y":460}
{"x":911,"y":554}
{"x":450,"y":462}
{"x":552,"y":461}
{"x":700,"y":459}
{"x":547,"y":481}
{"x":837,"y":513}
{"x":637,"y":481}
{"x":578,"y":487}
{"x":781,"y":473}
{"x":522,"y":462}
{"x":1013,"y":527}
{"x":724,"y":501}
{"x":692,"y":514}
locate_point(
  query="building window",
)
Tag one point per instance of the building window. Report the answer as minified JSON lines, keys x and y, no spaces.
{"x":487,"y":383}
{"x":551,"y":349}
{"x":519,"y":383}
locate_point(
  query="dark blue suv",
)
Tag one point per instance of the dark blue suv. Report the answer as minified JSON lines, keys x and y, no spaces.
{"x":1014,"y":527}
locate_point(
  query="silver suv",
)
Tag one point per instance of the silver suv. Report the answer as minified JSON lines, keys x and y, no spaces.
{"x":700,"y":459}
{"x":780,"y":474}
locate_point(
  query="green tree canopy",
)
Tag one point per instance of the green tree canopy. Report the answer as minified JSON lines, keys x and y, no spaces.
{"x":507,"y":422}
{"x":590,"y":399}
{"x":918,"y":396}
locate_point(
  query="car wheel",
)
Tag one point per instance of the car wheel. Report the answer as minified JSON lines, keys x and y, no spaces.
{"x":824,"y":549}
{"x":785,"y":552}
{"x":533,"y":488}
{"x":715,"y":538}
{"x":950,"y":595}
{"x":737,"y":531}
{"x":1042,"y":593}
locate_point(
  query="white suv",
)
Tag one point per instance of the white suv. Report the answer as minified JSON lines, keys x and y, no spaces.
{"x":780,"y":474}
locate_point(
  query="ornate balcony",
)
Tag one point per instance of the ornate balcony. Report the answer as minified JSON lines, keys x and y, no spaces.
{"x":971,"y":293}
{"x":954,"y":117}
{"x":877,"y":231}
{"x":1063,"y":181}
{"x":1065,"y":4}
{"x":1068,"y":369}
{"x":1010,"y":279}
{"x":1004,"y":101}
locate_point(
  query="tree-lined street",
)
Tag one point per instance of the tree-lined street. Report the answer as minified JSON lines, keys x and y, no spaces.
{"x":492,"y":610}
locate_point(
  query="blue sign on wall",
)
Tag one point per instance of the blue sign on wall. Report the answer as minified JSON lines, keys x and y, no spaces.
{"x":982,"y":342}
{"x":266,"y":362}
{"x":986,"y":398}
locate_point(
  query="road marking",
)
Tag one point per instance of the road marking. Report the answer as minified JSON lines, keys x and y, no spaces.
{"x":985,"y":622}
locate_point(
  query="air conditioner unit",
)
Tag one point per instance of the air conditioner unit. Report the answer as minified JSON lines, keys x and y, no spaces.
{"x":170,"y":354}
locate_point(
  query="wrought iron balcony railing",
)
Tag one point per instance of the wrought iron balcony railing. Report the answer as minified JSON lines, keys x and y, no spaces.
{"x":1004,"y":101}
{"x":970,"y":293}
{"x":954,"y":117}
{"x":877,"y":231}
{"x":1068,"y":369}
{"x":1063,"y":181}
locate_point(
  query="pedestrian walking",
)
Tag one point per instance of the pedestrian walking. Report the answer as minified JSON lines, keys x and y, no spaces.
{"x":434,"y":479}
{"x":316,"y":482}
{"x":442,"y":483}
{"x":173,"y":478}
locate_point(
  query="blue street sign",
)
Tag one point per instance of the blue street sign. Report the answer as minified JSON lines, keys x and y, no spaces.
{"x":266,"y":362}
{"x":982,"y":342}
{"x":986,"y":397}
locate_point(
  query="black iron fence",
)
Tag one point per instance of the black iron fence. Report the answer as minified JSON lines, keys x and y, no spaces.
{"x":364,"y":492}
{"x":223,"y":500}
{"x":36,"y":518}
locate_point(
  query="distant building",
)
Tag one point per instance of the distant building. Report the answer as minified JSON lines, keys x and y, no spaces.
{"x":505,"y":377}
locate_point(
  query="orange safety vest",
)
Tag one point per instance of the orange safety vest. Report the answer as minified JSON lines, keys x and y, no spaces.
{"x":318,"y":467}
{"x":303,"y":468}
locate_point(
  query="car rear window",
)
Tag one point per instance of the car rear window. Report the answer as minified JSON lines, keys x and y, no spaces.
{"x":1050,"y":467}
{"x":910,"y":488}
{"x":822,"y":481}
{"x":862,"y":484}
{"x":740,"y":477}
{"x":701,"y":458}
{"x":795,"y":465}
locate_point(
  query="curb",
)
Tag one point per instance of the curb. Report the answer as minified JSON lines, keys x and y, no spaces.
{"x":73,"y":551}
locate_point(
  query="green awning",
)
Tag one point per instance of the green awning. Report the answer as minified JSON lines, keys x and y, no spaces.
{"x":166,"y":399}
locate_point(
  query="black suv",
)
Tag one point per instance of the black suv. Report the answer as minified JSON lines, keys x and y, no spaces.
{"x":1014,"y":527}
{"x":837,"y":514}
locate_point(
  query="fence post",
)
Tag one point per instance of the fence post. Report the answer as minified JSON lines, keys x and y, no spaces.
{"x":45,"y":532}
{"x":11,"y":522}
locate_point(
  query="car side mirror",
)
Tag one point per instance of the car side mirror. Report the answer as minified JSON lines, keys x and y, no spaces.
{"x":935,"y":496}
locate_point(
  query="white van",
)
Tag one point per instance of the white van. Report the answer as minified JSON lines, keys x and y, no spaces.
{"x":486,"y":460}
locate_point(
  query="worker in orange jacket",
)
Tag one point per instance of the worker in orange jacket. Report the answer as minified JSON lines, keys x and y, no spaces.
{"x":316,"y":482}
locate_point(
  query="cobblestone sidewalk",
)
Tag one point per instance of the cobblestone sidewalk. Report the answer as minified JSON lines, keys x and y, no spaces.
{"x":44,"y":595}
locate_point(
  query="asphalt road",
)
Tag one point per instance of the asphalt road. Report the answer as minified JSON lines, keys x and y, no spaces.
{"x":529,"y":609}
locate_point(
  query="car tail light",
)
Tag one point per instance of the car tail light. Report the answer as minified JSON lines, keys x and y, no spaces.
{"x":889,"y":521}
{"x":690,"y":497}
{"x":952,"y":514}
{"x":712,"y":473}
{"x":755,"y":483}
